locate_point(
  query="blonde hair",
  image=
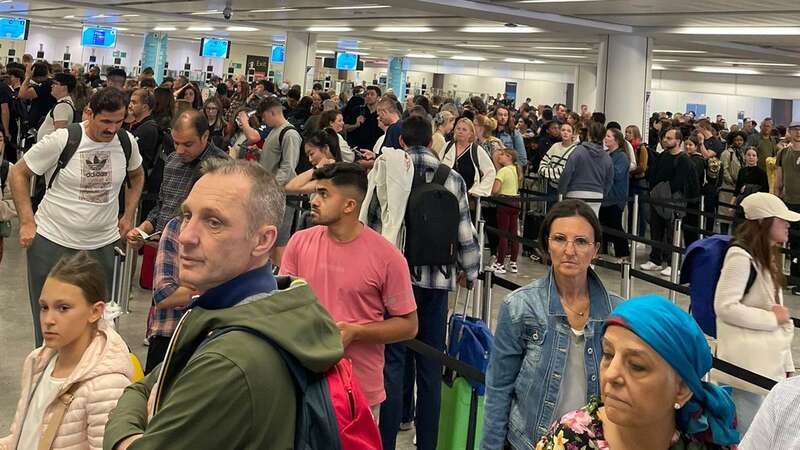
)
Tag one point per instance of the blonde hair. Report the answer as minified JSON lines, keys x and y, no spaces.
{"x":442,"y":118}
{"x":487,"y":124}
{"x":469,"y":124}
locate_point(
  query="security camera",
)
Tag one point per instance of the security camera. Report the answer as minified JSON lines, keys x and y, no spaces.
{"x":227,"y":13}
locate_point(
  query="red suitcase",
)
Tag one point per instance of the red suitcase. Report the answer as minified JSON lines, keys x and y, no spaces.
{"x":148,"y":264}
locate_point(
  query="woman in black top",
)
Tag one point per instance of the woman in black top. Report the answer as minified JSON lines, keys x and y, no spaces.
{"x":694,"y":148}
{"x":751,"y":177}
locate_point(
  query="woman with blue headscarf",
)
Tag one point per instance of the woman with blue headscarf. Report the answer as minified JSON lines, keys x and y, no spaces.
{"x":651,"y":391}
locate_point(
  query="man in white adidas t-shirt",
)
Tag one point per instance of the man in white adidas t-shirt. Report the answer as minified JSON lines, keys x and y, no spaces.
{"x":81,"y":209}
{"x":63,"y":112}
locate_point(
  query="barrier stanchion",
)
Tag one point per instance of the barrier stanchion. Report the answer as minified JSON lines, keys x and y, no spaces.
{"x":478,"y":294}
{"x":676,"y":257}
{"x":486,"y":303}
{"x":560,"y":197}
{"x":635,"y":230}
{"x":127,"y":275}
{"x":702,"y":210}
{"x":625,"y":288}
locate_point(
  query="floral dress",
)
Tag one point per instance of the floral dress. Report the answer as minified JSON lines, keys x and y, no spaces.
{"x":583,"y":430}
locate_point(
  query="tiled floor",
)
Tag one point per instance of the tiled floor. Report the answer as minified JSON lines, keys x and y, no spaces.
{"x":16,"y":339}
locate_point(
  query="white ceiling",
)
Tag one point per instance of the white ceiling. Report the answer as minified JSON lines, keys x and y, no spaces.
{"x":576,"y":24}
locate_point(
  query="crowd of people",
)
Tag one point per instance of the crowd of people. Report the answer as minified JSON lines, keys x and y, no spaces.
{"x":210,"y":180}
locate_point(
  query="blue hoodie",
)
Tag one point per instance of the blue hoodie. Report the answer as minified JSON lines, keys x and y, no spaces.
{"x":589,"y":168}
{"x":618,"y":195}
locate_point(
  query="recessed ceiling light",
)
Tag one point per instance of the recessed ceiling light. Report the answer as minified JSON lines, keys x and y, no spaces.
{"x":357,"y":53}
{"x":210,"y":11}
{"x":523,"y":61}
{"x":666,"y":60}
{"x":121,"y":29}
{"x":745,"y":31}
{"x":164,"y":29}
{"x":501,"y":30}
{"x":272,"y":10}
{"x":727,"y":70}
{"x":325,"y":52}
{"x":680,"y":51}
{"x":746,"y":63}
{"x":556,"y":1}
{"x":450,"y":51}
{"x":7,"y":1}
{"x":577,"y":49}
{"x":479,"y":45}
{"x":69,"y":17}
{"x":468,"y":58}
{"x":562,"y":56}
{"x":403,"y":29}
{"x":99,"y":16}
{"x":658,"y":67}
{"x":359,"y":7}
{"x":243,"y":29}
{"x":329,"y":29}
{"x":200,"y":29}
{"x":420,"y":55}
{"x":129,"y":15}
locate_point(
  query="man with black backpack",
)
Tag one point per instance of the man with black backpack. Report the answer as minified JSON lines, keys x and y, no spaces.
{"x":85,"y":166}
{"x":280,"y":155}
{"x":440,"y":249}
{"x":63,"y":112}
{"x":149,"y":136}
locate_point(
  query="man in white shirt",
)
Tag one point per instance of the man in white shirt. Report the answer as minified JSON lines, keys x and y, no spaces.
{"x":80,"y":209}
{"x":63,"y":112}
{"x":777,"y":423}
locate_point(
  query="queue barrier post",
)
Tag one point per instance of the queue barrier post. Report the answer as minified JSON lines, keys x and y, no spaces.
{"x":702,"y":212}
{"x":625,"y":288}
{"x":477,"y":299}
{"x":486,"y":301}
{"x":635,"y":230}
{"x":125,"y":282}
{"x":676,"y":257}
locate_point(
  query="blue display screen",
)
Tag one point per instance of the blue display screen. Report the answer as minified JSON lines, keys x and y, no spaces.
{"x":215,"y":48}
{"x":278,"y":54}
{"x":11,"y":28}
{"x":346,"y":61}
{"x":99,"y":37}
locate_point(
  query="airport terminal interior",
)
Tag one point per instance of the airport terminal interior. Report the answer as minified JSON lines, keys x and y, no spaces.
{"x":613,"y":97}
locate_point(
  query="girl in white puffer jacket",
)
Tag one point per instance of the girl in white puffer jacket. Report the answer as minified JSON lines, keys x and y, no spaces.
{"x":72,"y":382}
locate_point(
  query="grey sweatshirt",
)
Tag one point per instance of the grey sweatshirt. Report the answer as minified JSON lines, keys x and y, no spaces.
{"x":589,"y":168}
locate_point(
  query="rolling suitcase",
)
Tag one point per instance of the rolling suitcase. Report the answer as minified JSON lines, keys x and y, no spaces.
{"x":461,"y":416}
{"x":118,"y":305}
{"x":149,"y":252}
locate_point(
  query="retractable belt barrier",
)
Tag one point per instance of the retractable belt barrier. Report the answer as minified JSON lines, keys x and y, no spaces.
{"x":460,"y":367}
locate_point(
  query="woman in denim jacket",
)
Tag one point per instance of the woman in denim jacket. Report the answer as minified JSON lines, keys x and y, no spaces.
{"x":547,"y":344}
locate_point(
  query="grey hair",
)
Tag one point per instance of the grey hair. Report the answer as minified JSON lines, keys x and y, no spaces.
{"x":266,"y":203}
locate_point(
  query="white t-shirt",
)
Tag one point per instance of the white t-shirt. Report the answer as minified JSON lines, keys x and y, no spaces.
{"x":63,"y":111}
{"x":80,"y":211}
{"x":44,"y":395}
{"x":347,"y":153}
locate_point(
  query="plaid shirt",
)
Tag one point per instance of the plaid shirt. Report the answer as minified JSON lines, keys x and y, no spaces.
{"x":162,"y":322}
{"x":178,"y":179}
{"x":468,"y":252}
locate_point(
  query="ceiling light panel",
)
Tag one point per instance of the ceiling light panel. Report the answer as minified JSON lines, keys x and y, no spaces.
{"x":747,"y":63}
{"x":403,"y":29}
{"x":329,"y":29}
{"x":688,"y":52}
{"x":726,"y":70}
{"x":272,"y":10}
{"x":200,"y":29}
{"x":420,"y":55}
{"x":501,"y":30}
{"x":665,"y":60}
{"x":209,"y":12}
{"x":468,"y":58}
{"x":358,"y":7}
{"x":562,"y":56}
{"x":739,"y":31}
{"x":576,"y":49}
{"x":479,"y":45}
{"x":523,"y":61}
{"x":241,"y":29}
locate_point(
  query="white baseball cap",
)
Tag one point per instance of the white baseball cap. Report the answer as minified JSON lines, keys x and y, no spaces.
{"x":762,"y":205}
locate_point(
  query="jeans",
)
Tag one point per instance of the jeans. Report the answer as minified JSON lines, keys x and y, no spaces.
{"x":693,"y":220}
{"x":432,"y":314}
{"x":507,"y":220}
{"x":43,"y":254}
{"x":611,"y":217}
{"x":639,"y":187}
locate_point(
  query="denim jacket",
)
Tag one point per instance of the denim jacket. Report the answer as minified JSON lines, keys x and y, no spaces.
{"x":515,"y":141}
{"x":529,"y":357}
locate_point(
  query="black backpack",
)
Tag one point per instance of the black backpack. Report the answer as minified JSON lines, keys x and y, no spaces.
{"x":75,"y":134}
{"x":303,"y":163}
{"x":431,"y":221}
{"x":76,"y":118}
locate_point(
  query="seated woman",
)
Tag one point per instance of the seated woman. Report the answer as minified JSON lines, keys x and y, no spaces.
{"x":547,"y":342}
{"x":72,"y":382}
{"x":322,"y":148}
{"x":653,"y":395}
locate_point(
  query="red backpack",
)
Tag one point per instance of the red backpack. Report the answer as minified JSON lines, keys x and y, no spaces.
{"x":332,"y":412}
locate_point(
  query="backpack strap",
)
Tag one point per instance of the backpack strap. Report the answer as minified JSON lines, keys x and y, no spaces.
{"x":74,"y":111}
{"x":125,"y":142}
{"x":442,"y":172}
{"x":74,"y":136}
{"x":475,"y":159}
{"x":57,"y":417}
{"x":751,"y":278}
{"x":447,"y":148}
{"x":283,"y":132}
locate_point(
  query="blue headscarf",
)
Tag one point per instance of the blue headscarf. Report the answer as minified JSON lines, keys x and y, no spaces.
{"x":675,"y":336}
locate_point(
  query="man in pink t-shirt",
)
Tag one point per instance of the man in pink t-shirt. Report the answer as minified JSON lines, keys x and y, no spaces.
{"x":359,"y":277}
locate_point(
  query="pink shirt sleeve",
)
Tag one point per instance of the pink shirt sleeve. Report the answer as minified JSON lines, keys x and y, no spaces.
{"x":289,"y":258}
{"x":398,"y":295}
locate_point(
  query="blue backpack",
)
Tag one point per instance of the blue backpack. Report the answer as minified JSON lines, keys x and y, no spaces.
{"x":701,"y":268}
{"x":471,"y":341}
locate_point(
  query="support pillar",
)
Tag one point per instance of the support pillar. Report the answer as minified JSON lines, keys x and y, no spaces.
{"x":154,"y":54}
{"x":396,"y":77}
{"x":623,"y":78}
{"x":585,"y":87}
{"x":301,"y":53}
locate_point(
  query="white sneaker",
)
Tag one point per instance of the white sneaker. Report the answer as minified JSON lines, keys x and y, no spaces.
{"x":650,"y":266}
{"x":512,"y":267}
{"x":498,"y":269}
{"x":667,"y":272}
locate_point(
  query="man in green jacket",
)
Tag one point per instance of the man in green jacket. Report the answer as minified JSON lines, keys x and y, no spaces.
{"x":233,"y":392}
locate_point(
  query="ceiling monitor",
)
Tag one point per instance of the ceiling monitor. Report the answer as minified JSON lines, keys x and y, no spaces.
{"x":360,"y":65}
{"x":346,"y":61}
{"x":329,"y":63}
{"x":215,"y":48}
{"x":13,"y":28}
{"x":99,"y":37}
{"x":278,"y":54}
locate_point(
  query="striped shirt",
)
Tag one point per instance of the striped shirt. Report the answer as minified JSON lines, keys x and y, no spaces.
{"x":432,"y":277}
{"x":777,"y":423}
{"x":162,"y":322}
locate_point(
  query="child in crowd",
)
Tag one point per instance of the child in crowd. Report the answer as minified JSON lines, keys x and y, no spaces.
{"x":72,"y":382}
{"x":506,"y":190}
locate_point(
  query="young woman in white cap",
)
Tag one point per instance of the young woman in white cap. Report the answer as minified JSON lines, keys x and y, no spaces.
{"x":754,"y":329}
